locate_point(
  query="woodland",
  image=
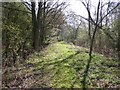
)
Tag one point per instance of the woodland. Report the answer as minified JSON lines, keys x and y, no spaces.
{"x":43,"y":46}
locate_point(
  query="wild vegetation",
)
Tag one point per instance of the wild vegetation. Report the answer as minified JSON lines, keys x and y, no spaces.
{"x":61,"y":65}
{"x":43,"y":46}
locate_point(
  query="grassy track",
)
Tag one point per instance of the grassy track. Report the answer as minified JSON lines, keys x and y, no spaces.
{"x":61,"y":65}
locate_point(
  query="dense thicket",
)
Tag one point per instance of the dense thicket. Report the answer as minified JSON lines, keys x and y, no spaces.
{"x":27,"y":30}
{"x":16,"y":33}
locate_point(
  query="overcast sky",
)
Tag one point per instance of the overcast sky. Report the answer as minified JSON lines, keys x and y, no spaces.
{"x":78,"y":8}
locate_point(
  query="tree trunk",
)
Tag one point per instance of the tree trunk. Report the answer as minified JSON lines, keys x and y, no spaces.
{"x":90,"y":58}
{"x":39,"y":22}
{"x":91,"y":48}
{"x":118,"y":46}
{"x":42,"y":27}
{"x":35,"y":28}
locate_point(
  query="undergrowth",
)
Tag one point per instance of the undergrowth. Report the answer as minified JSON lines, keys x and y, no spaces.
{"x":61,"y":65}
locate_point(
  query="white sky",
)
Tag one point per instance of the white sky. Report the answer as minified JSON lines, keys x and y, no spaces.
{"x":78,"y":8}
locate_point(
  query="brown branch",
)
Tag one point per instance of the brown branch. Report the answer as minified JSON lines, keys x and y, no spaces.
{"x":109,"y":12}
{"x":27,"y":5}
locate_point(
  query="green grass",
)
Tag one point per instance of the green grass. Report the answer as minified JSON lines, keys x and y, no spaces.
{"x":61,"y":65}
{"x":64,"y":64}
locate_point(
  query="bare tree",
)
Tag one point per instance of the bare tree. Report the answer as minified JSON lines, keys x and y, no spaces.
{"x":44,"y":14}
{"x":97,"y":23}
